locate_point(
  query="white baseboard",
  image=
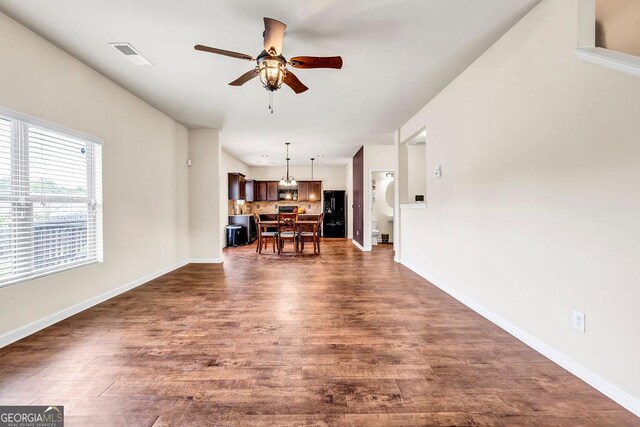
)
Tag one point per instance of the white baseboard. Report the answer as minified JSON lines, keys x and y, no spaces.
{"x":606,"y":387}
{"x":358,"y":245}
{"x":205,"y":261}
{"x":33,"y":327}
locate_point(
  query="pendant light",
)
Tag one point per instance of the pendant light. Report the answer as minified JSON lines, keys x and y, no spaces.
{"x":312,"y":195}
{"x":288,"y":182}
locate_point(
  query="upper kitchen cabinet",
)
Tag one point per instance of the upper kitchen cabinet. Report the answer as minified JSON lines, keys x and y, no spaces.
{"x":309,"y":191}
{"x":303,"y":191}
{"x":237,"y":186}
{"x":260,"y":191}
{"x":272,"y":191}
{"x":315,"y":190}
{"x":250,"y":190}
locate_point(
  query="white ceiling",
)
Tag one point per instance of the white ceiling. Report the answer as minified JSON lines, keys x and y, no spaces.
{"x":398,"y":54}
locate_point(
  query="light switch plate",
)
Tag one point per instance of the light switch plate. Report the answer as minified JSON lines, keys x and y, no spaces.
{"x":438,"y":171}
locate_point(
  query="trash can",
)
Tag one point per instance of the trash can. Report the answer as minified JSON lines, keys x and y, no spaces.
{"x":233,"y":235}
{"x":385,"y":238}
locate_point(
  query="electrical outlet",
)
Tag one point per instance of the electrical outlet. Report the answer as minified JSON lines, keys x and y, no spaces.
{"x":578,"y":320}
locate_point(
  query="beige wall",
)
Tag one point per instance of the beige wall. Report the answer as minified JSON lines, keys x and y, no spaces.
{"x":204,"y":196}
{"x":145,"y":178}
{"x":537,"y":212}
{"x":618,"y":25}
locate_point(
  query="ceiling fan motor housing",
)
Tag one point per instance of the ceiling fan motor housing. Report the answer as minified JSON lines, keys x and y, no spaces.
{"x":272,"y":70}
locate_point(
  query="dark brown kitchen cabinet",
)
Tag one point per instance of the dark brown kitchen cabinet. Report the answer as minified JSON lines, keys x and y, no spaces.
{"x":303,"y":191}
{"x":250,"y":193}
{"x":260,"y":191}
{"x":315,"y":190}
{"x":272,"y":191}
{"x":237,"y":186}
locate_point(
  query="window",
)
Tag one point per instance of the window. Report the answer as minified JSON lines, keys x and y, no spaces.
{"x":50,"y":200}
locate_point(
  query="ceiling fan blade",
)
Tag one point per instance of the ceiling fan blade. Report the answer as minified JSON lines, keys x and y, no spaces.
{"x":245,"y":78}
{"x":273,"y":36}
{"x":316,"y":62}
{"x":292,"y":81}
{"x":224,"y":52}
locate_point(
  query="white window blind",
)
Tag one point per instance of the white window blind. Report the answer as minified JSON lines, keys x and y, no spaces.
{"x":50,"y":200}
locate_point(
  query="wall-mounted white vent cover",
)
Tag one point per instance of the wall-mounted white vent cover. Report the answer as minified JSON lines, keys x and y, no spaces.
{"x":130,"y":53}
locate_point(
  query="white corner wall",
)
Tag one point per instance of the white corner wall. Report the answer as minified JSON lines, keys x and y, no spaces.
{"x":145,"y":179}
{"x":537,"y":212}
{"x":204,"y":196}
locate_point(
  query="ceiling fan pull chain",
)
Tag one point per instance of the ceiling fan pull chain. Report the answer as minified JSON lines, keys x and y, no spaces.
{"x":271,"y":102}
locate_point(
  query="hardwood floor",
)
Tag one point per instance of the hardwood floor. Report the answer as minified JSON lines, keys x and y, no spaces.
{"x":345,"y":338}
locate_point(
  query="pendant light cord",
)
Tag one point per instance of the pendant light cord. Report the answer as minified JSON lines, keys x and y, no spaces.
{"x":288,"y":180}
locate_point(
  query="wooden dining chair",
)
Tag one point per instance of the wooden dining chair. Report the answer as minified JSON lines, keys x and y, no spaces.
{"x":311,"y":233}
{"x":287,"y":230}
{"x":319,"y":231}
{"x":264,"y":235}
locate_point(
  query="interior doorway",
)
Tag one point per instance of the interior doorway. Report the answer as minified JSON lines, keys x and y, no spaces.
{"x":382,"y":209}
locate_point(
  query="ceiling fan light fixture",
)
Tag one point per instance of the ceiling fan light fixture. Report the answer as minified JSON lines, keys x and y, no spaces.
{"x":272,"y":71}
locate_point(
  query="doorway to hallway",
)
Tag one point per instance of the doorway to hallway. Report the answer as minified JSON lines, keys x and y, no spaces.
{"x":382,"y":208}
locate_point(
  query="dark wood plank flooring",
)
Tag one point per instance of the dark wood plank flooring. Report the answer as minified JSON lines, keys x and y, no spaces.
{"x":346,"y":338}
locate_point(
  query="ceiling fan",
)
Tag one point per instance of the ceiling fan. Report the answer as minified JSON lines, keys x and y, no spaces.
{"x":271,"y":65}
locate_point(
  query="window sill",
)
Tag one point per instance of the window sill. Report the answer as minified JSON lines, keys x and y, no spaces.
{"x":610,"y":59}
{"x":50,"y":272}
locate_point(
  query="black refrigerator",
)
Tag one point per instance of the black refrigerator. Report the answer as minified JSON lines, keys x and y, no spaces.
{"x":335,"y":214}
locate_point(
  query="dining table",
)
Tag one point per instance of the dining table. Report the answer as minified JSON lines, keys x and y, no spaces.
{"x":305,"y":223}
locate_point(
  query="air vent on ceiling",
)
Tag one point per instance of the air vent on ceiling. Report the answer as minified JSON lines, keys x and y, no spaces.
{"x":130,"y":53}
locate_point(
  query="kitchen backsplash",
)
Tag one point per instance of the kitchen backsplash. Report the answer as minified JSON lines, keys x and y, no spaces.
{"x":272,"y":207}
